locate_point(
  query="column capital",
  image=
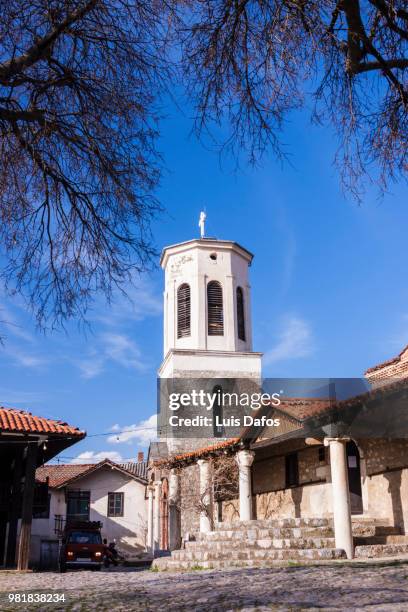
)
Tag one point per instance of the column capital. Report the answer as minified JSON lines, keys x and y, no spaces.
{"x":245,"y":458}
{"x":327,"y":441}
{"x":202,"y":462}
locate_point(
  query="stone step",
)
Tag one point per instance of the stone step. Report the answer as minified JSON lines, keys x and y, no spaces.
{"x":372,"y":520}
{"x":253,"y":533}
{"x":381,"y":539}
{"x":261,"y":543}
{"x":380,"y":550}
{"x":367,"y":531}
{"x":281,"y":554}
{"x":270,"y":523}
{"x":180,"y":558}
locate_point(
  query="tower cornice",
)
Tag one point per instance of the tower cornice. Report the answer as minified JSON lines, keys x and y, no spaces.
{"x":207,"y":244}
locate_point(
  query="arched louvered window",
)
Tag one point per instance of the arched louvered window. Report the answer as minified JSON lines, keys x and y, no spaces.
{"x":183,"y":311}
{"x":215,"y":309}
{"x":240,"y":314}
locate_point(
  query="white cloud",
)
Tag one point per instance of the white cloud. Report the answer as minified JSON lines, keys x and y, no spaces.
{"x":11,"y":325}
{"x":12,"y":397}
{"x":19,"y":345}
{"x":139,"y":303}
{"x":93,"y":457}
{"x":25,"y":359}
{"x":295,"y":341}
{"x":22,"y":357}
{"x":115,"y":347}
{"x":90,"y":367}
{"x":123,"y":350}
{"x":140,"y":433}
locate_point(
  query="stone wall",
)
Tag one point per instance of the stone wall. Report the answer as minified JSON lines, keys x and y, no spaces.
{"x":384,"y":479}
{"x":269,"y":473}
{"x":190,"y":495}
{"x":306,"y":501}
{"x":311,"y":498}
{"x":394,"y":368}
{"x":383,"y":455}
{"x":388,"y":497}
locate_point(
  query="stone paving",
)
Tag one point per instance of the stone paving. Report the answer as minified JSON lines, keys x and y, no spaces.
{"x":342,"y":586}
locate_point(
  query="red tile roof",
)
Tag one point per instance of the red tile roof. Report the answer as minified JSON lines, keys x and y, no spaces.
{"x":388,"y":362}
{"x":199,"y":452}
{"x":303,"y":407}
{"x":59,"y":474}
{"x":20,"y":421}
{"x":63,"y":474}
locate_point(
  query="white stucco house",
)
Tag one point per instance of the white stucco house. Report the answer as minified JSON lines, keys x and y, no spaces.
{"x":112,"y":493}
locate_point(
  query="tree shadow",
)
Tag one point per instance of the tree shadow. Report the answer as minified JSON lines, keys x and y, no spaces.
{"x":394,"y":489}
{"x":297,"y":494}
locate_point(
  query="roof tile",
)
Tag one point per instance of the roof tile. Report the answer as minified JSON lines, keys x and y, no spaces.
{"x":61,"y":474}
{"x":21,"y":421}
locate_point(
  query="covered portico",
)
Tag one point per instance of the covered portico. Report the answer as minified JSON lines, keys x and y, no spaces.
{"x":331,"y":466}
{"x":247,"y":505}
{"x":26,"y":442}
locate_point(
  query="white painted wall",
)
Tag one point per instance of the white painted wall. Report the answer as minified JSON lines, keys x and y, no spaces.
{"x":43,"y":529}
{"x":211,"y":364}
{"x":191,"y":262}
{"x":129,"y":531}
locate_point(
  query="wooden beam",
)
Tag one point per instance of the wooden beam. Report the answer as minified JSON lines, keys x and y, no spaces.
{"x":27,"y":507}
{"x":313,"y":442}
{"x":14,"y":510}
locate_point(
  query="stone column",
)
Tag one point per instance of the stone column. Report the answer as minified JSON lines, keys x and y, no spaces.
{"x":245,"y":458}
{"x":341,"y":496}
{"x":156,"y":515}
{"x":150,"y":539}
{"x":206,"y":495}
{"x":174,"y":510}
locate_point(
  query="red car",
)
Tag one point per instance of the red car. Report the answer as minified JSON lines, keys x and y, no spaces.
{"x":82,"y":546}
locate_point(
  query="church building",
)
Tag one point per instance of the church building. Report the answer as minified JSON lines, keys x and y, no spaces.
{"x":312,"y":490}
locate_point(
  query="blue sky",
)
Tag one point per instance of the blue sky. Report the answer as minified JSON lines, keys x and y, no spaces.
{"x":329,"y":290}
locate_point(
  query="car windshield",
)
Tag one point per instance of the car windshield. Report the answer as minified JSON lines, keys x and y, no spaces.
{"x":84,"y":537}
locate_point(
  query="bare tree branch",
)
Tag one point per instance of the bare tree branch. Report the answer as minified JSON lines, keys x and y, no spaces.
{"x":80,"y":82}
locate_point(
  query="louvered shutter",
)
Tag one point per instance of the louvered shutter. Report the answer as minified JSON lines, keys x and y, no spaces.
{"x":240,"y":314}
{"x":183,"y":311}
{"x":215,"y":309}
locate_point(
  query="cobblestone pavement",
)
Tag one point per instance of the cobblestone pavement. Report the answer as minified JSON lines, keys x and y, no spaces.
{"x":371,"y":586}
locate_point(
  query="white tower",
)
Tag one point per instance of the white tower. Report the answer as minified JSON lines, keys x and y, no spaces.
{"x":207,"y":311}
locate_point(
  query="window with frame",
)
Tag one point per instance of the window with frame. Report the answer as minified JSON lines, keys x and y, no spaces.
{"x":183,"y":311}
{"x":78,"y":505}
{"x":240,"y":314}
{"x":41,"y":505}
{"x":116,"y":504}
{"x":215,"y":310}
{"x":292,"y":470}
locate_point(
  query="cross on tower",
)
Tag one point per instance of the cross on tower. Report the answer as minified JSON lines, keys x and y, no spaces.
{"x":201,"y":223}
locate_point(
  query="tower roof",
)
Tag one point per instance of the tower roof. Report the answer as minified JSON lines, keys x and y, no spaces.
{"x":209,"y":243}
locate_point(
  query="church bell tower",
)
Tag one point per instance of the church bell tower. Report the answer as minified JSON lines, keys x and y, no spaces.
{"x":207,"y":311}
